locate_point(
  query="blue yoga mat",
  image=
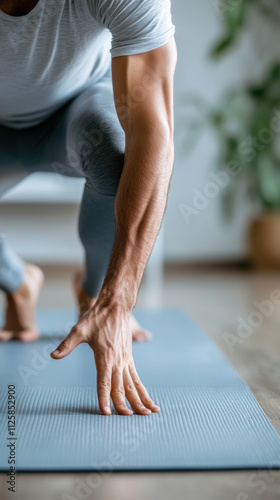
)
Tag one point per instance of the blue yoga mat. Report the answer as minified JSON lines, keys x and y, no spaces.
{"x":209,"y":419}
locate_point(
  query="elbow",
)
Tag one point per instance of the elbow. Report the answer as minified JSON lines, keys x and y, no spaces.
{"x":162,"y":133}
{"x":165,"y":130}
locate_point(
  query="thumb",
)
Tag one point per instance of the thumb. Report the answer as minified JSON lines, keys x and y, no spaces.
{"x":68,"y":344}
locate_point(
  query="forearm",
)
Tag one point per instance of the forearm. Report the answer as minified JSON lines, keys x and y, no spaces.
{"x":143,"y":91}
{"x":139,"y":208}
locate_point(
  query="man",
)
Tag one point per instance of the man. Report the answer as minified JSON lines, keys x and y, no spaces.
{"x":58,"y":112}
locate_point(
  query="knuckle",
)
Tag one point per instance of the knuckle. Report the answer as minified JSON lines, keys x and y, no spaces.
{"x":104,"y":385}
{"x":65,"y":344}
{"x":138,"y":383}
{"x":118,"y":391}
{"x":74,"y":329}
{"x":147,"y":400}
{"x":130,"y":387}
{"x":79,"y":331}
{"x":74,"y":333}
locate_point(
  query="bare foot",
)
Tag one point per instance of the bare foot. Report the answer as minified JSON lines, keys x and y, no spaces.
{"x":20,"y":308}
{"x":85,"y":303}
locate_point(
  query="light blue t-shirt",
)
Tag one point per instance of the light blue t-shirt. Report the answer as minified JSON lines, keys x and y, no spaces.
{"x":49,"y":55}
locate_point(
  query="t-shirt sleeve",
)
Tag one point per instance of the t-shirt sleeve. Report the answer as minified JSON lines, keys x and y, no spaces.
{"x":136,"y":25}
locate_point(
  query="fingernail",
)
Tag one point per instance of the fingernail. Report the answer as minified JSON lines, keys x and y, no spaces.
{"x":144,"y":408}
{"x":56,"y":352}
{"x":108,"y":408}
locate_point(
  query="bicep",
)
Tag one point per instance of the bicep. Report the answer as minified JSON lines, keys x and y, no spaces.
{"x":143,"y":88}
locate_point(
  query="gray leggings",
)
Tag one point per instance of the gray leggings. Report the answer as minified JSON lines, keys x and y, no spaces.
{"x":82,"y":139}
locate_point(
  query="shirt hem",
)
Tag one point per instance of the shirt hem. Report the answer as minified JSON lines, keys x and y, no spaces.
{"x":141,"y":47}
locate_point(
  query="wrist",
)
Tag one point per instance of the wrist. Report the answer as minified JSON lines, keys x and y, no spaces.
{"x":122,"y":281}
{"x":119,"y":297}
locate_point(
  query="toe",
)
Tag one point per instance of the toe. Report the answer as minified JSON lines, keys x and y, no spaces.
{"x":141,"y":336}
{"x":5,"y":336}
{"x":138,"y":334}
{"x":27,"y":336}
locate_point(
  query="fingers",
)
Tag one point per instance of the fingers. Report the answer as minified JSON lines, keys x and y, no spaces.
{"x":142,"y":391}
{"x":69,"y":343}
{"x":118,"y":393}
{"x":104,"y":387}
{"x":118,"y":385}
{"x":132,"y":395}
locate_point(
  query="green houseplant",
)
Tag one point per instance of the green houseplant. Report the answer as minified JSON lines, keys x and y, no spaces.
{"x":246,"y":126}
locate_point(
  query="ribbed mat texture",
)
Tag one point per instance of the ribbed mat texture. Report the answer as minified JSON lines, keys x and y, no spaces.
{"x":209,"y":419}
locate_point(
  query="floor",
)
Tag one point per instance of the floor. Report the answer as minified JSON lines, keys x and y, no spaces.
{"x":219,"y":300}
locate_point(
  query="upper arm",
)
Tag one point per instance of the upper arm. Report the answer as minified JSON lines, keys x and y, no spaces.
{"x":143,"y":88}
{"x":143,"y":59}
{"x":136,"y":25}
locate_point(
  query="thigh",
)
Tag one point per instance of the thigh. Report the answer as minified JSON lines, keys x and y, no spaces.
{"x":43,"y":148}
{"x":12,"y":170}
{"x":95,"y":139}
{"x":82,"y":139}
{"x":25,"y":151}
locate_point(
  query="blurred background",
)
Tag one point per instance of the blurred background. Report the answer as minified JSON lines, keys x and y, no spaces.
{"x":220,"y":241}
{"x":226,"y":94}
{"x":218,"y":253}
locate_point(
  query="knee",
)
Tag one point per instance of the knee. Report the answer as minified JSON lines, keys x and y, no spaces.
{"x":99,"y":146}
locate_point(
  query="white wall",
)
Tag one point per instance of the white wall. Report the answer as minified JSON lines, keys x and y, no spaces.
{"x":198,"y":25}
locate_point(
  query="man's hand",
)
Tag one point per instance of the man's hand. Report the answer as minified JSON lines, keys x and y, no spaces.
{"x":107,"y":331}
